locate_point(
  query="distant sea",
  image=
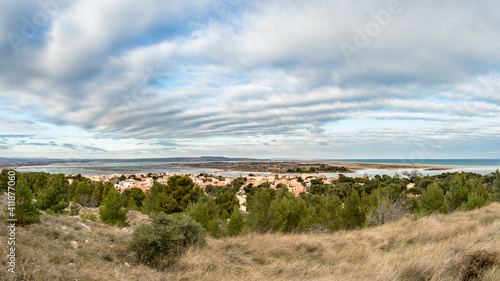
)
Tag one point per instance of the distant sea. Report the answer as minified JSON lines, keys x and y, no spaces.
{"x":442,"y":162}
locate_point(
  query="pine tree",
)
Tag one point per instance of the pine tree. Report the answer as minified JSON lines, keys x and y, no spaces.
{"x":495,"y":187}
{"x":354,"y":213}
{"x":277,"y":215}
{"x":458,"y":193}
{"x":136,"y":195}
{"x":474,"y":201}
{"x":478,"y":196}
{"x":180,"y":190}
{"x":309,"y":220}
{"x":130,"y":204}
{"x":51,"y":195}
{"x":4,"y":179}
{"x":107,"y":187}
{"x":297,"y":210}
{"x":432,"y":199}
{"x":74,"y":209}
{"x":203,"y":211}
{"x":70,"y":196}
{"x":111,"y":211}
{"x":26,"y":211}
{"x":496,"y":181}
{"x":40,"y":183}
{"x":236,"y":222}
{"x":227,"y":202}
{"x":330,"y":212}
{"x":97,"y":193}
{"x":151,"y":202}
{"x":171,"y":198}
{"x":83,"y":193}
{"x":258,"y":205}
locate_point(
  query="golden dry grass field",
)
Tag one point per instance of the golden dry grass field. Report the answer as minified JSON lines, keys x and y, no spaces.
{"x":430,"y":248}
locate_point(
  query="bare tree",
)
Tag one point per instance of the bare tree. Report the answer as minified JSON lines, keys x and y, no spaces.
{"x":388,"y":210}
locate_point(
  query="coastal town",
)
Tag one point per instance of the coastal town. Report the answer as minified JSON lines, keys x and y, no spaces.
{"x":296,"y":184}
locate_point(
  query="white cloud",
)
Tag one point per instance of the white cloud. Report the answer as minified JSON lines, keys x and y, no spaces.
{"x":181,"y":70}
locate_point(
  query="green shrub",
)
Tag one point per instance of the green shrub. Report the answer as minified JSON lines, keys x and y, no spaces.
{"x":165,"y":236}
{"x":214,"y":227}
{"x":474,"y":201}
{"x":415,"y":190}
{"x":205,"y":212}
{"x":56,"y":260}
{"x":90,"y":217}
{"x":52,"y":213}
{"x":108,"y":257}
{"x":74,"y":209}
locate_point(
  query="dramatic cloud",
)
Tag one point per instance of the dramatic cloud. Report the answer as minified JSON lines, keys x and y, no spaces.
{"x":329,"y":79}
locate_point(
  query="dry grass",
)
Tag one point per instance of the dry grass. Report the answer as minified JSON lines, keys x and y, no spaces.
{"x":44,"y":252}
{"x":431,"y":248}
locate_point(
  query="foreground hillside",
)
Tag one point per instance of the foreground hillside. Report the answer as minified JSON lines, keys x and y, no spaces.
{"x":431,"y":248}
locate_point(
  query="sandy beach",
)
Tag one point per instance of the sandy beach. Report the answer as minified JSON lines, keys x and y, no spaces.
{"x":385,"y":166}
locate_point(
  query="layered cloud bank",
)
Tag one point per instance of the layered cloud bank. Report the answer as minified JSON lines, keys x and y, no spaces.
{"x":317,"y":79}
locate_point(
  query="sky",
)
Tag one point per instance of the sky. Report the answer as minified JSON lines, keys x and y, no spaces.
{"x":317,"y":79}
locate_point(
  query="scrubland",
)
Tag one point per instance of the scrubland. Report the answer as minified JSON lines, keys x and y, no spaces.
{"x":457,"y":246}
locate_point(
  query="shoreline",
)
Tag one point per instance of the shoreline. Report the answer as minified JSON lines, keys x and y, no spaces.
{"x":387,"y":166}
{"x":407,"y":164}
{"x":272,"y":167}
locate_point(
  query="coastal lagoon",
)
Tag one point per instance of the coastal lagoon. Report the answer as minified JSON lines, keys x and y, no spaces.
{"x":155,"y":167}
{"x":90,"y":169}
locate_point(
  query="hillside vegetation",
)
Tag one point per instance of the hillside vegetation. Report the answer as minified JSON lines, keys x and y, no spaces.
{"x":382,"y":228}
{"x":336,"y":204}
{"x":455,"y":246}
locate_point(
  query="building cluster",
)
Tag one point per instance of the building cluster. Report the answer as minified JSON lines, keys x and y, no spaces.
{"x":296,"y":184}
